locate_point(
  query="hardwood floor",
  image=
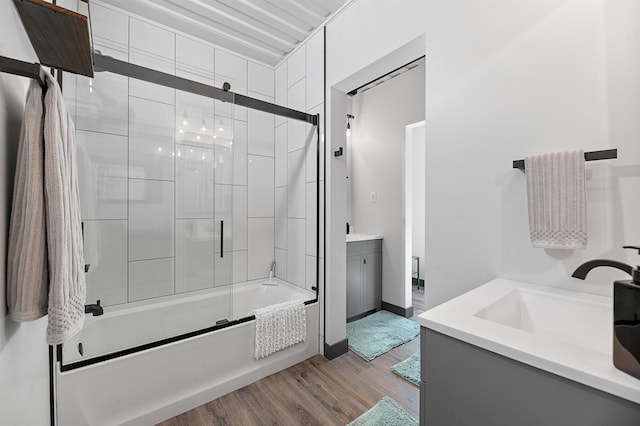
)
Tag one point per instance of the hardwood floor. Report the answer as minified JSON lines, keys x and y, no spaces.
{"x":313,"y":392}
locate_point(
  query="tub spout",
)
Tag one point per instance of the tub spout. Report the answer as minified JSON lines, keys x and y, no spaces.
{"x":582,"y":270}
{"x":94,"y":309}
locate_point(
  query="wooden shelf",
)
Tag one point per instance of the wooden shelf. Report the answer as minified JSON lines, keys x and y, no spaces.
{"x":59,"y":36}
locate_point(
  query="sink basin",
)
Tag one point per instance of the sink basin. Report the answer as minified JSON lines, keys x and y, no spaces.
{"x":582,"y":323}
{"x":560,"y":330}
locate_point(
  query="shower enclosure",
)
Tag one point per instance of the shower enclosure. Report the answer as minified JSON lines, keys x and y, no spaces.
{"x":189,"y":193}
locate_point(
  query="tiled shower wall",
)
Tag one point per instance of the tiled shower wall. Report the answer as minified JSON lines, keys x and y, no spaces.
{"x":160,"y":169}
{"x":299,"y":83}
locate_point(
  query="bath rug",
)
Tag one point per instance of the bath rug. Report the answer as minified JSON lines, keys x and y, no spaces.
{"x":409,"y":369}
{"x":386,"y":412}
{"x":378,"y":333}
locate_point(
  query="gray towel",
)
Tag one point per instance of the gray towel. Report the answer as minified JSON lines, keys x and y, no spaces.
{"x":557,"y":201}
{"x":45,"y":271}
{"x":67,"y":289}
{"x":27,"y":279}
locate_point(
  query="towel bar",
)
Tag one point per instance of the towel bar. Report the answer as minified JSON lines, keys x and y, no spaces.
{"x":605,"y":154}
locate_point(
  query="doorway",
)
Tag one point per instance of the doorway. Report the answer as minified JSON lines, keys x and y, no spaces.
{"x":378,"y":158}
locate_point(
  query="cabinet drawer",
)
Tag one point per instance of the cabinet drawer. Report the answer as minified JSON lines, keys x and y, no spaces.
{"x":364,"y":247}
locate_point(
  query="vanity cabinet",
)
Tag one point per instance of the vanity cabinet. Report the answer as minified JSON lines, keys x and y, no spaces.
{"x":364,"y":277}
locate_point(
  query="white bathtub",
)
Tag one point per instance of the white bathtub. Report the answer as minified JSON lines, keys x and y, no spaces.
{"x":568,"y":333}
{"x":154,"y":384}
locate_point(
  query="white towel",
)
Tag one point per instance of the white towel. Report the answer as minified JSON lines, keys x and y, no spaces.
{"x":557,"y":201}
{"x":27,"y":278}
{"x":67,"y":289}
{"x":280,"y":326}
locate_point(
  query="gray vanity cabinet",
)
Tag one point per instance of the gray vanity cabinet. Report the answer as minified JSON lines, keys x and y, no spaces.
{"x":364,"y":277}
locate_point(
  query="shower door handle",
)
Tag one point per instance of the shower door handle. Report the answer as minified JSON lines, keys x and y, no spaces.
{"x":222,"y":238}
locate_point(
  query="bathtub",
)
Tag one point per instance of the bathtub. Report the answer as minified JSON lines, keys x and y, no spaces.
{"x":124,"y":369}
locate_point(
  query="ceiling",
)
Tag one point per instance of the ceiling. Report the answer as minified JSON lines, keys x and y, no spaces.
{"x":262,"y":30}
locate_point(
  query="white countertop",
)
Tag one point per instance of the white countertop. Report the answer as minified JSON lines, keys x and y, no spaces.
{"x":564,"y":342}
{"x":352,"y":238}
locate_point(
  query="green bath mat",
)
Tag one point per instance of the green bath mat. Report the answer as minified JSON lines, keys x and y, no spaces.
{"x":378,"y":333}
{"x":409,"y":369}
{"x":386,"y":412}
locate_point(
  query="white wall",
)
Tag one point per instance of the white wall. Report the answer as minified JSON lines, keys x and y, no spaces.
{"x":505,"y":80}
{"x":418,"y":159}
{"x":358,"y":51}
{"x":377,"y":156}
{"x":24,"y":383}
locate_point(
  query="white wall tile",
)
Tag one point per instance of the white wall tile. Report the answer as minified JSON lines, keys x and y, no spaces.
{"x":224,"y":268}
{"x":151,"y":143}
{"x":102,"y":175}
{"x":102,"y":103}
{"x":310,"y":272}
{"x":105,"y":250}
{"x":194,"y":182}
{"x":296,"y":184}
{"x":297,"y":135}
{"x":296,"y":96}
{"x":194,"y":121}
{"x":261,"y":189}
{"x":315,"y":69}
{"x":296,"y":66}
{"x":260,"y":129}
{"x":295,"y":252}
{"x":200,"y":78}
{"x":194,"y":254}
{"x":239,"y":152}
{"x":232,"y":69}
{"x":261,"y":79}
{"x":239,"y":266}
{"x":310,"y":218}
{"x":224,"y":150}
{"x":311,"y":145}
{"x":194,"y":57}
{"x":260,"y":253}
{"x":281,"y":153}
{"x":151,"y":47}
{"x":281,"y":264}
{"x":281,"y":89}
{"x":150,"y":278}
{"x":239,"y":218}
{"x":151,"y":219}
{"x":110,"y":30}
{"x":281,"y":217}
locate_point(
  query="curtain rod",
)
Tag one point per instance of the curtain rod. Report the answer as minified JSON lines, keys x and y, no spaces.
{"x":109,"y":64}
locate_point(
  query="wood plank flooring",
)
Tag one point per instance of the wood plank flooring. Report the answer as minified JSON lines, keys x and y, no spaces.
{"x":313,"y":392}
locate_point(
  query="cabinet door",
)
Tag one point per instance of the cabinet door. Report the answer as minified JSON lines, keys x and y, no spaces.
{"x":354,"y":285}
{"x":372,"y":281}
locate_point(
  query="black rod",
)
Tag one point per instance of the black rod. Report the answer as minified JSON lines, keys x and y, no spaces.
{"x":606,"y":154}
{"x":24,"y":69}
{"x":107,"y":63}
{"x":222,"y":238}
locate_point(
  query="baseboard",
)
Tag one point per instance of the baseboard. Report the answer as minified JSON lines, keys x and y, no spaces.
{"x":404,"y":312}
{"x":359,"y":316}
{"x":335,"y":350}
